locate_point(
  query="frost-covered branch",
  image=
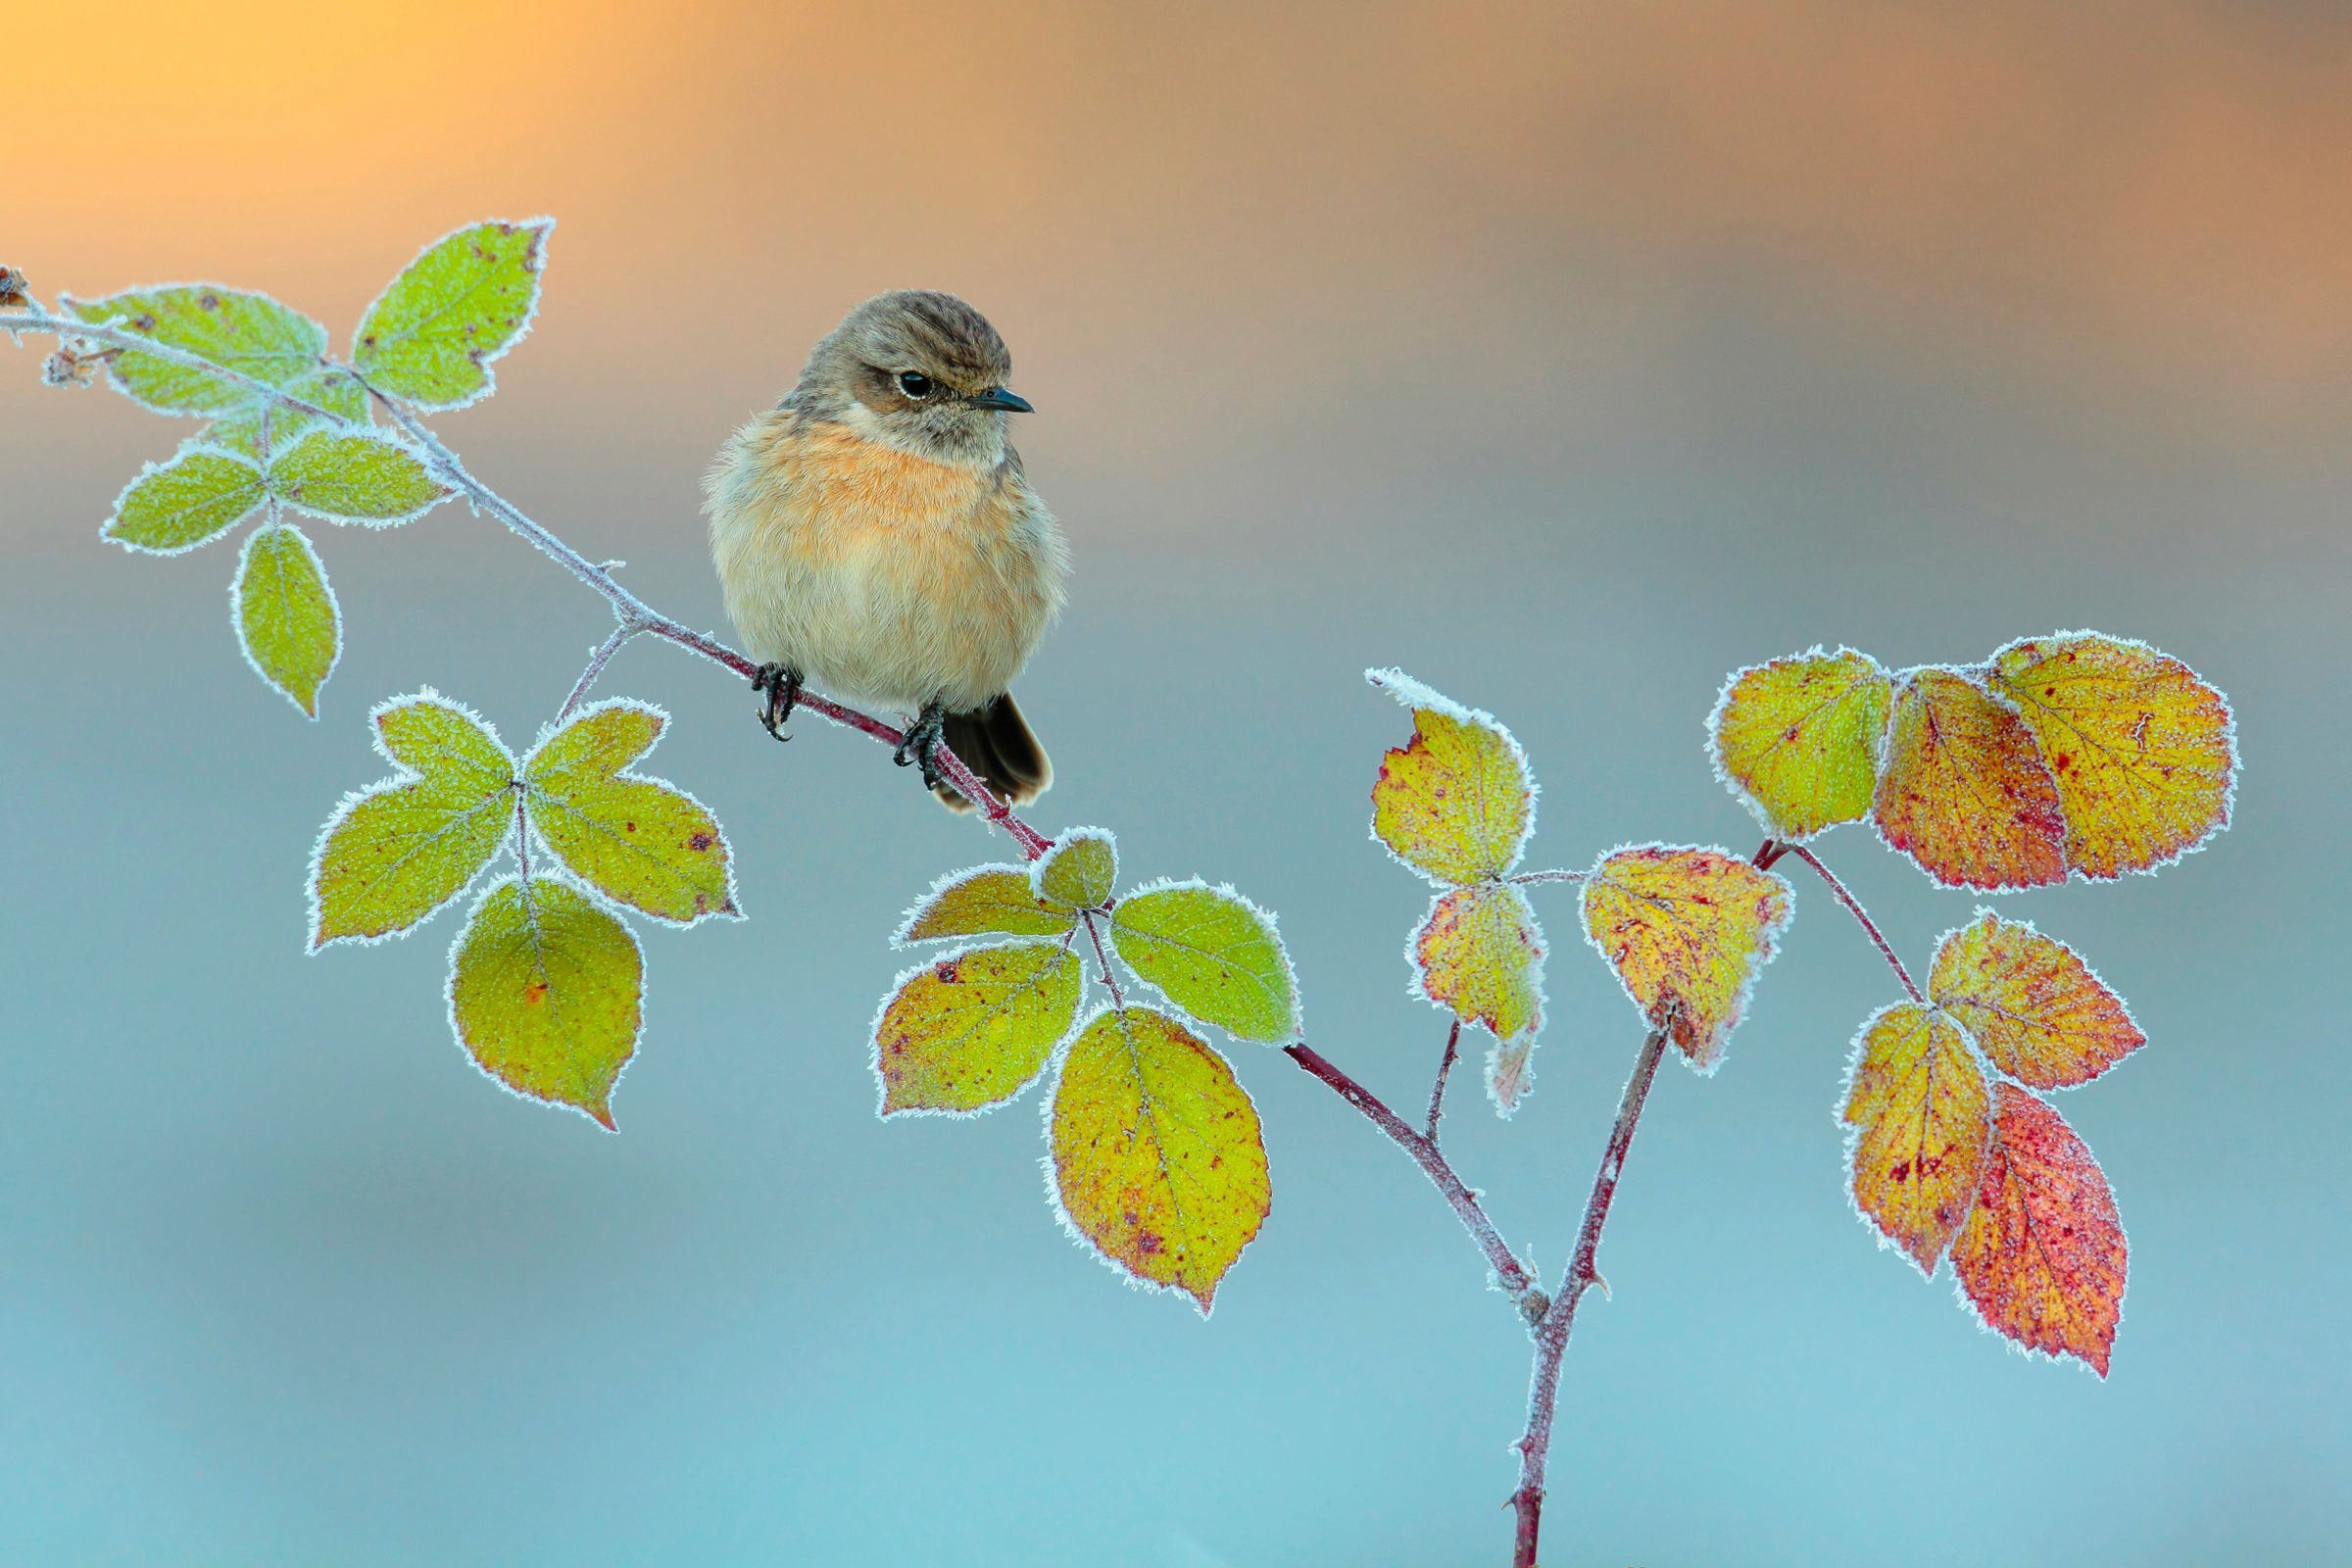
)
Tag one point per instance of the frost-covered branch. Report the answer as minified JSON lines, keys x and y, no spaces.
{"x":1854,"y":908}
{"x":1436,"y":1092}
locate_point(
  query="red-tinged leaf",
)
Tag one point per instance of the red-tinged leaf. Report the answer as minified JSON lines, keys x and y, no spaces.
{"x":2035,"y":1009}
{"x":2042,"y":1256}
{"x":1687,"y":930}
{"x":1922,"y":1117}
{"x":1962,"y":788}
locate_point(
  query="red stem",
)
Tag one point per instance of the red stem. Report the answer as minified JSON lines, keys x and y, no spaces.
{"x":1854,"y":906}
{"x":1436,"y":1095}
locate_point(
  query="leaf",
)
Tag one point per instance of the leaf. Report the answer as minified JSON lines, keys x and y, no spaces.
{"x":985,"y":899}
{"x":1920,"y":1114}
{"x":247,"y":332}
{"x":1211,"y":953}
{"x":2042,"y":1257}
{"x":398,"y":851}
{"x":172,"y":507}
{"x":2033,"y":1007}
{"x":1798,"y":739}
{"x":1510,"y":1072}
{"x":2143,"y":751}
{"x":1480,"y":953}
{"x":355,"y":477}
{"x":1156,"y":1154}
{"x":639,"y":841}
{"x":1458,"y":801}
{"x":1079,"y":871}
{"x":467,"y":299}
{"x":546,"y":992}
{"x":1963,"y":790}
{"x":1686,"y":929}
{"x":289,"y":625}
{"x":326,"y":387}
{"x":975,"y":1028}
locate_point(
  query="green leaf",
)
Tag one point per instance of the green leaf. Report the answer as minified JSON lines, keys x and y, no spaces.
{"x":546,"y":992}
{"x":330,"y":389}
{"x":355,"y":477}
{"x":1211,"y":953}
{"x":247,"y":332}
{"x":638,"y":840}
{"x":1158,"y":1160}
{"x":1079,"y":871}
{"x":287,"y":622}
{"x":985,"y":899}
{"x":1458,"y":801}
{"x":1799,"y":738}
{"x":466,"y":300}
{"x":398,"y":851}
{"x":975,"y":1028}
{"x":172,"y":507}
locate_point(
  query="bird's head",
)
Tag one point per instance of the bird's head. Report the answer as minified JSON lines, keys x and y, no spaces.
{"x":917,"y":370}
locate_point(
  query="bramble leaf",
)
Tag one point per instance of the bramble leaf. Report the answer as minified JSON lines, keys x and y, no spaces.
{"x":639,"y":841}
{"x":2042,"y":1256}
{"x":2142,"y":750}
{"x":1962,"y":788}
{"x":399,"y":850}
{"x":289,"y":625}
{"x":1798,"y":739}
{"x":546,"y":992}
{"x":1156,"y":1154}
{"x":174,"y":506}
{"x":983,"y":900}
{"x":1079,"y":871}
{"x":1510,"y":1072}
{"x":1919,"y":1114}
{"x":1480,"y":953}
{"x":975,"y":1028}
{"x":1686,"y":929}
{"x":325,"y":387}
{"x":243,"y":332}
{"x":467,"y":299}
{"x":2032,"y":1006}
{"x":1458,"y":801}
{"x":1211,"y":953}
{"x":355,"y":477}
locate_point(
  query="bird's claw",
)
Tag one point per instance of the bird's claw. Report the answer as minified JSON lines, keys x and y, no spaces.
{"x":920,"y":744}
{"x":782,"y":687}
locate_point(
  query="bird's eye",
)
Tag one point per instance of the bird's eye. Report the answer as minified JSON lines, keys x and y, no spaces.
{"x":915,"y":384}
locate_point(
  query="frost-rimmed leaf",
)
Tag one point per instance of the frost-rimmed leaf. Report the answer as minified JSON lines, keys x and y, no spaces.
{"x":1798,"y":739}
{"x":1479,"y":955}
{"x":466,"y":300}
{"x":1919,"y":1121}
{"x":546,"y":994}
{"x":289,"y":628}
{"x":983,"y":900}
{"x":1510,"y":1072}
{"x":970,"y":1030}
{"x":1962,"y":788}
{"x":1213,"y":954}
{"x":2142,"y":749}
{"x":639,"y":841}
{"x":324,"y":387}
{"x":194,"y":499}
{"x":396,"y":853}
{"x":2042,"y":1259}
{"x":2033,"y":1007}
{"x":361,"y":476}
{"x":1686,"y":929}
{"x":1079,"y":871}
{"x":1156,"y":1161}
{"x":235,"y":328}
{"x":1458,"y":801}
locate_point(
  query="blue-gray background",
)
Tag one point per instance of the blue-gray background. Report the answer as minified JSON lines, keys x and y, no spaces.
{"x":1566,"y":359}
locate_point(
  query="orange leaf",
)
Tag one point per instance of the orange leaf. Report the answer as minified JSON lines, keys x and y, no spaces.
{"x":1964,"y":790}
{"x":2034,"y":1008}
{"x":1921,"y":1113}
{"x":1686,"y":929}
{"x":2042,"y":1256}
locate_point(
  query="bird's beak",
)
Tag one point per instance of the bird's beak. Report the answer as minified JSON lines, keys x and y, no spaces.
{"x":997,"y":397}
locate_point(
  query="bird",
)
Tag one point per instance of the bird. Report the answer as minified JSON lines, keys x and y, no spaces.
{"x":876,"y":537}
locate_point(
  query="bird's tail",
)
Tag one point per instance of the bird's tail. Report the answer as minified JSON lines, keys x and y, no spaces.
{"x":995,"y":743}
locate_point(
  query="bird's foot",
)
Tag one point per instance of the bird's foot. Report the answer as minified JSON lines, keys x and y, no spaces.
{"x":782,"y":687}
{"x":921,"y":743}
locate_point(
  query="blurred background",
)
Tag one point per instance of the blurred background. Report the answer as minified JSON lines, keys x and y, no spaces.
{"x":1567,"y":357}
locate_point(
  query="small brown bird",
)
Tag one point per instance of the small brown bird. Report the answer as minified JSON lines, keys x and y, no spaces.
{"x":875,"y":536}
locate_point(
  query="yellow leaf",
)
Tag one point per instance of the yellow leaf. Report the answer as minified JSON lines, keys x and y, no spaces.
{"x":986,"y":899}
{"x":974,"y":1029}
{"x":1458,"y":801}
{"x":639,"y":841}
{"x":545,"y":992}
{"x":1922,"y":1117}
{"x":1686,"y":929}
{"x":1963,"y":790}
{"x":1799,"y":739}
{"x":1079,"y":871}
{"x":2143,"y":752}
{"x":2034,"y":1008}
{"x":1157,"y":1156}
{"x":1481,"y":954}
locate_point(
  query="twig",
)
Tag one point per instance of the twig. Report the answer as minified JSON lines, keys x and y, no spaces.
{"x":597,"y":662}
{"x":1854,"y":908}
{"x":1436,"y":1095}
{"x":1527,"y":879}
